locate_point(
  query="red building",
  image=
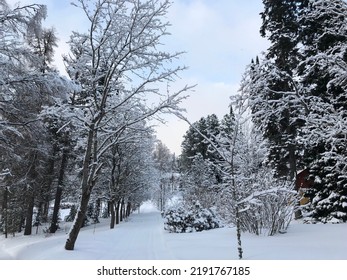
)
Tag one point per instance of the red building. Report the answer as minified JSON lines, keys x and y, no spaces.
{"x":304,"y":183}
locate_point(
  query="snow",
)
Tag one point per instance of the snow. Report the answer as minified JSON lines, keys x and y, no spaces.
{"x":142,"y":237}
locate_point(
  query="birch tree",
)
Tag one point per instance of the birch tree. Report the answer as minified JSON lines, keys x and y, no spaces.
{"x":226,"y":148}
{"x":118,"y":66}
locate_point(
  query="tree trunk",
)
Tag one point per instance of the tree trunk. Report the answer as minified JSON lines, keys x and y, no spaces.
{"x":237,"y":214}
{"x":97,"y":209}
{"x":54,"y":223}
{"x":45,"y":210}
{"x":122,"y":211}
{"x":38,"y":217}
{"x":238,"y":232}
{"x":29,"y":214}
{"x":5,"y":211}
{"x":32,"y":175}
{"x":292,"y":162}
{"x":78,"y":222}
{"x":42,"y":215}
{"x":117,"y":212}
{"x":235,"y":194}
{"x":127,"y":213}
{"x":21,"y":222}
{"x":113,"y":214}
{"x":161,"y":199}
{"x":87,"y":184}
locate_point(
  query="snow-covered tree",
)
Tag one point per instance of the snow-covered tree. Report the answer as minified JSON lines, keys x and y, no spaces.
{"x":200,"y":175}
{"x":118,"y":66}
{"x":243,"y":184}
{"x":273,"y":84}
{"x":127,"y":172}
{"x":199,"y":184}
{"x":164,"y":165}
{"x":278,"y":111}
{"x":323,"y":78}
{"x":26,"y":86}
{"x":194,"y":144}
{"x":303,"y":96}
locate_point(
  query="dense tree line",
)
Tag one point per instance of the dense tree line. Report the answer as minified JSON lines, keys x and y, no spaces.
{"x":297,"y":94}
{"x":30,"y":147}
{"x":83,"y":140}
{"x":289,"y":115}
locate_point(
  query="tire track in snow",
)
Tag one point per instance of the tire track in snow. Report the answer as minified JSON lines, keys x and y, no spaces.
{"x":143,"y":238}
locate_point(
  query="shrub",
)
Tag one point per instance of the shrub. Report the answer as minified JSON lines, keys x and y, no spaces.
{"x":179,"y":219}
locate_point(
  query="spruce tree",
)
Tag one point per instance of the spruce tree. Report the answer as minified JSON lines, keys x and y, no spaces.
{"x":323,"y":78}
{"x":194,"y":144}
{"x":281,"y":26}
{"x":297,"y":95}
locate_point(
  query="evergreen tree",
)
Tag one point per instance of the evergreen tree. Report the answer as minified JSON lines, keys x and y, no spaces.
{"x":297,"y":96}
{"x":199,"y":183}
{"x":281,"y":26}
{"x":201,"y":175}
{"x":195,"y":145}
{"x":28,"y":82}
{"x":323,"y":78}
{"x":227,"y":124}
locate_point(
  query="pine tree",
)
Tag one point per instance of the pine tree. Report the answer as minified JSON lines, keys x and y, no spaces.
{"x":323,"y":78}
{"x":195,"y":145}
{"x":281,"y":26}
{"x":297,"y":96}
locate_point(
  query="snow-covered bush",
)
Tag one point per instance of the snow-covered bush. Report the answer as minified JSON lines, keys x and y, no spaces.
{"x":266,"y":204}
{"x":180,"y":219}
{"x":270,"y":212}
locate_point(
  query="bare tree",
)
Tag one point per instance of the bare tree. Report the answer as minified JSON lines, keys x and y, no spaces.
{"x":118,"y":67}
{"x":252,"y":199}
{"x":227,"y":147}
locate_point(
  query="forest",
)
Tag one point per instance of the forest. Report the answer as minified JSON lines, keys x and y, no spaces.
{"x":86,"y":142}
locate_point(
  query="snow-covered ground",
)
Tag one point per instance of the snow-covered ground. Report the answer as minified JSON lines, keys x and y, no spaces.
{"x":142,"y":237}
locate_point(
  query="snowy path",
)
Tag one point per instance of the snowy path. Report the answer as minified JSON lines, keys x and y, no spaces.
{"x":142,"y":237}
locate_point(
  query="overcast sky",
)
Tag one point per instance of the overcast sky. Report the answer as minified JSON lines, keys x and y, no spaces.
{"x":220,"y":37}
